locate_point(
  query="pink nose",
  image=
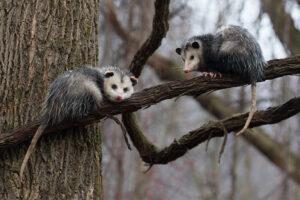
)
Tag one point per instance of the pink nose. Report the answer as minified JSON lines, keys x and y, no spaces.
{"x":186,"y":70}
{"x":119,"y":97}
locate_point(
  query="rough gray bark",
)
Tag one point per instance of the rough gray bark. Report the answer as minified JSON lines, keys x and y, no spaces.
{"x":39,"y":40}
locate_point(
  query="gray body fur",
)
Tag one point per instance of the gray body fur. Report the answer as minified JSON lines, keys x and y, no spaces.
{"x":232,"y":50}
{"x":78,"y":92}
{"x":75,"y":93}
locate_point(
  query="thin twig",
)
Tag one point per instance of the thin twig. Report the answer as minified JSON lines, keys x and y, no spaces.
{"x":117,"y":121}
{"x":207,"y":142}
{"x":149,"y":167}
{"x":224,"y":141}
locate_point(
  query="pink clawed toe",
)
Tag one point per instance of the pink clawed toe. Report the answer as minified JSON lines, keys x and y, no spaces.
{"x":211,"y":74}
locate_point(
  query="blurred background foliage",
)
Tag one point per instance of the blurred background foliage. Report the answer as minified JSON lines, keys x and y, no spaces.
{"x":244,"y":172}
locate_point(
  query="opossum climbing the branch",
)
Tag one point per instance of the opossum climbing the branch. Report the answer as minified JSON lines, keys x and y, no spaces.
{"x":231,"y":50}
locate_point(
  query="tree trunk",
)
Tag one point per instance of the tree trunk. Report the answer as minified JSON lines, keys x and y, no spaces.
{"x":38,"y":41}
{"x":283,"y":24}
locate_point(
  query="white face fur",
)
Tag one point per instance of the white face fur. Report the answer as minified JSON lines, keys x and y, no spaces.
{"x":191,"y":60}
{"x":191,"y":56}
{"x":117,"y":89}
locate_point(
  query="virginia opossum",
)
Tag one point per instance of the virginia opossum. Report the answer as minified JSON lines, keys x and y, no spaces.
{"x":231,"y":50}
{"x":78,"y":92}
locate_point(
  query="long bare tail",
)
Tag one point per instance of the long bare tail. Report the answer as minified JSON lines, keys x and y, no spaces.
{"x":252,"y":110}
{"x":30,"y":149}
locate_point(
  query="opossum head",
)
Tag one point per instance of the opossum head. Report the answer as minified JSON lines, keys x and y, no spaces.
{"x":191,"y":54}
{"x":118,"y":86}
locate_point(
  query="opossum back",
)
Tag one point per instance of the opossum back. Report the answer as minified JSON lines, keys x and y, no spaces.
{"x":237,"y":39}
{"x":239,"y":53}
{"x":73,"y":94}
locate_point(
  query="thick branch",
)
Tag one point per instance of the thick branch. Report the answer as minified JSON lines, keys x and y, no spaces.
{"x":178,"y":148}
{"x":160,"y":28}
{"x":168,"y":70}
{"x":154,"y":95}
{"x":273,"y":150}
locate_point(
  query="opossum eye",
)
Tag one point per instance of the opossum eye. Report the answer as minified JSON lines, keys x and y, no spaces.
{"x":125,"y":89}
{"x":192,"y":57}
{"x":114,"y":86}
{"x":195,"y":45}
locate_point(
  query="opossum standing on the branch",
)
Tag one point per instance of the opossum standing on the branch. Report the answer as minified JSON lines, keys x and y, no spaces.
{"x":232,"y":50}
{"x":78,"y":92}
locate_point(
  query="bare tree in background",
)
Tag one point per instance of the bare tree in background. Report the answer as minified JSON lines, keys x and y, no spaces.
{"x":163,"y":67}
{"x":125,"y":26}
{"x":283,"y":24}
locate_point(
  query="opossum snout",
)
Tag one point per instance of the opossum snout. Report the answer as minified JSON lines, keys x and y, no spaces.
{"x":186,"y":70}
{"x":119,"y":97}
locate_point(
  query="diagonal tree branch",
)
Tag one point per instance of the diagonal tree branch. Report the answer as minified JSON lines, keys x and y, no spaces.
{"x":168,"y":70}
{"x":147,"y":148}
{"x":160,"y":27}
{"x":154,"y":95}
{"x":273,"y":150}
{"x":270,"y":148}
{"x":94,"y":118}
{"x":178,"y":148}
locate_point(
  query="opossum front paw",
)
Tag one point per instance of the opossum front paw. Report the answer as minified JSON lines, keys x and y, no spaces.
{"x":211,"y":74}
{"x":205,"y":74}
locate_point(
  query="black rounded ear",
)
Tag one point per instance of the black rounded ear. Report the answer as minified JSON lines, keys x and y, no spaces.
{"x":108,"y":74}
{"x":195,"y":45}
{"x":134,"y":80}
{"x":178,"y":51}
